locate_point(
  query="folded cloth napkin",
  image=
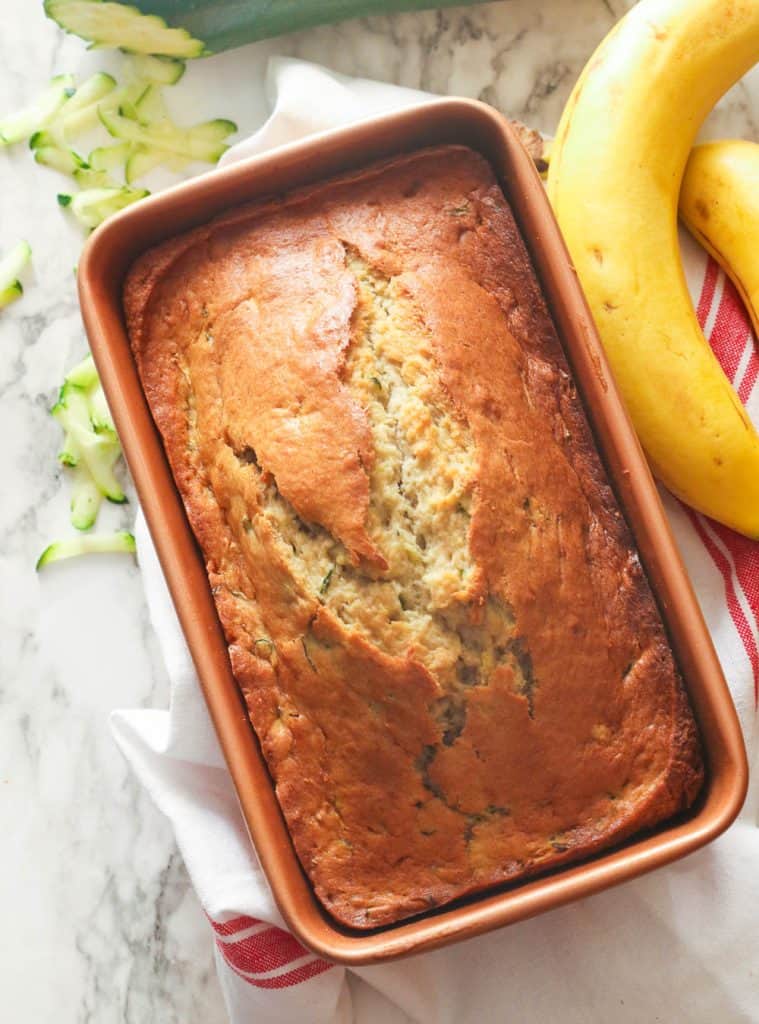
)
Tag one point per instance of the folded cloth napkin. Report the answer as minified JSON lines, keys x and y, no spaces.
{"x":679,"y":945}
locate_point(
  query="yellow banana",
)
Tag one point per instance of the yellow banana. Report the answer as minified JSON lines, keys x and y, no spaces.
{"x":615,"y":172}
{"x":719,"y":202}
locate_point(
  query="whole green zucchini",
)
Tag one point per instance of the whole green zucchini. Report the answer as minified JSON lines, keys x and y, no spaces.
{"x":195,"y":28}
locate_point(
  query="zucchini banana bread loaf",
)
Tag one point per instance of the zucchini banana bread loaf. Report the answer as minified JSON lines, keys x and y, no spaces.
{"x":434,"y":608}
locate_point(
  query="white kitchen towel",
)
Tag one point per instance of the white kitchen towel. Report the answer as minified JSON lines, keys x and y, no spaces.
{"x":679,"y":945}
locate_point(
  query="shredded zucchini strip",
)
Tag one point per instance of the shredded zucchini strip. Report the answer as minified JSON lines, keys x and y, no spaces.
{"x":120,"y":542}
{"x":11,"y":267}
{"x":34,"y":118}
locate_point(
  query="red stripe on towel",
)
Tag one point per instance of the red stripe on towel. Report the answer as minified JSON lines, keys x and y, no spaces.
{"x":268,"y":958}
{"x":736,"y":557}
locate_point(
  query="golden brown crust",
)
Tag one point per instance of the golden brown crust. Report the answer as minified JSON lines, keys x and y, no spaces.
{"x":527,"y":713}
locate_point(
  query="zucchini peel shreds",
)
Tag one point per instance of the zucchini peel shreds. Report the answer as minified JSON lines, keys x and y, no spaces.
{"x":94,"y":205}
{"x":134,"y":113}
{"x":109,"y":158}
{"x":83,"y":445}
{"x":48,"y":151}
{"x":201,"y":142}
{"x":84,"y":375}
{"x":100,"y":414}
{"x":11,"y":293}
{"x":117,"y":26}
{"x":86,"y":499}
{"x":91,"y":544}
{"x":150,"y":108}
{"x":142,"y":160}
{"x":91,"y":446}
{"x":87,"y":178}
{"x":79,"y":113}
{"x":143,"y":67}
{"x":11,"y":266}
{"x":34,"y":118}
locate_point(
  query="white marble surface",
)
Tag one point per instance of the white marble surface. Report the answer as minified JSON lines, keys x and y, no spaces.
{"x":98,"y":921}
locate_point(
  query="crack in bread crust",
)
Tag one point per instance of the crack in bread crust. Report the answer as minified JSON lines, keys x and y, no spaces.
{"x":427,"y":603}
{"x":433,"y":606}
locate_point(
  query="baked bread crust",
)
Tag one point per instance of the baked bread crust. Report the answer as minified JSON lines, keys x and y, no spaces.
{"x":433,"y":606}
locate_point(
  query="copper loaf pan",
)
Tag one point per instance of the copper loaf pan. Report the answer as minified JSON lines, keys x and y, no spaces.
{"x":104,"y":264}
